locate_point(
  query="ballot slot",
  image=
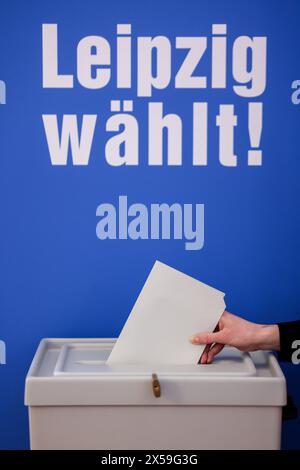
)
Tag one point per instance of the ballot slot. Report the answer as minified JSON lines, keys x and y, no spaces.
{"x":90,"y":359}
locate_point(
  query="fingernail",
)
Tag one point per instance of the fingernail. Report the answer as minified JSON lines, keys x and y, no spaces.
{"x":194,"y":339}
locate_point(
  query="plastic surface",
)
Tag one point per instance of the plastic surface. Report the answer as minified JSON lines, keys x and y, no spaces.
{"x":90,"y":359}
{"x":155,"y":427}
{"x":75,"y":372}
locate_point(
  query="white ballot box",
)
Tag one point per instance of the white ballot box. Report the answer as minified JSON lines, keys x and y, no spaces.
{"x":77,"y":400}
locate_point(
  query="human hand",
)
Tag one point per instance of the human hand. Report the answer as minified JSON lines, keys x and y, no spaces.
{"x":235,"y":331}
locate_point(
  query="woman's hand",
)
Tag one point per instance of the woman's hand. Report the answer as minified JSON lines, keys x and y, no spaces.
{"x":235,"y":331}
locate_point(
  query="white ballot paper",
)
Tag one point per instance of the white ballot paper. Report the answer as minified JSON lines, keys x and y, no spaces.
{"x":171,"y":307}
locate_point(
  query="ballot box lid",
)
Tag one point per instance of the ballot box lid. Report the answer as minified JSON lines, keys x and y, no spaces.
{"x":74,"y":372}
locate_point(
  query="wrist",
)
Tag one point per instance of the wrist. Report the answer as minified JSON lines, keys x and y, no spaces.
{"x":268,"y":337}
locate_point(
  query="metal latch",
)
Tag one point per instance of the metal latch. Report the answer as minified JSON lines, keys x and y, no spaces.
{"x":156,"y":386}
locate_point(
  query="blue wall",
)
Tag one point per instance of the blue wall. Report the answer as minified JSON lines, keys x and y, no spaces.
{"x":57,"y":278}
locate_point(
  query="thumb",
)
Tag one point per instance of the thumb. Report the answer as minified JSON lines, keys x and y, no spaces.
{"x":208,"y":338}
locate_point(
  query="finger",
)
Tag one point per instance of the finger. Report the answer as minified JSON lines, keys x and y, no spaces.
{"x":208,"y":346}
{"x":208,"y":338}
{"x":213,"y":352}
{"x":204,"y":355}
